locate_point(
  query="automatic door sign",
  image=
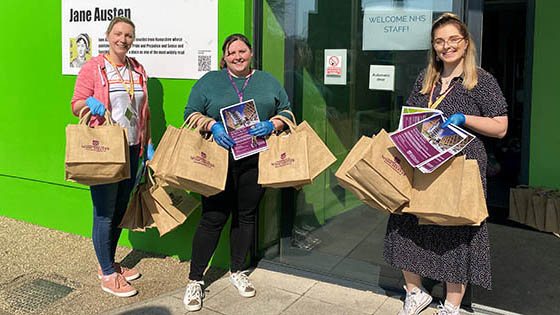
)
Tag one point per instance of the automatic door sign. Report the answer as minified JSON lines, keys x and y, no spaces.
{"x":382,"y":77}
{"x":334,"y":67}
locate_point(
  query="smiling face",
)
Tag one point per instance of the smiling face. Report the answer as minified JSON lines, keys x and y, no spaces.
{"x":238,"y":58}
{"x":120,"y":39}
{"x":449,"y":44}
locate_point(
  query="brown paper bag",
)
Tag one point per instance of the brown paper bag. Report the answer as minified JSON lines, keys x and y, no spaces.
{"x":522,"y":202}
{"x":539,"y":210}
{"x":318,"y":154}
{"x":286,"y":162}
{"x":347,"y":182}
{"x":137,"y":217}
{"x":552,"y":221}
{"x":384,"y":173}
{"x":518,"y":202}
{"x":530,"y":218}
{"x":97,"y":155}
{"x":471,"y":208}
{"x":198,"y":164}
{"x":438,"y":192}
{"x":446,"y":205}
{"x":160,"y":162}
{"x":169,"y":206}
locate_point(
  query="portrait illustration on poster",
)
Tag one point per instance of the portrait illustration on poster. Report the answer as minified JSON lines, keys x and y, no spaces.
{"x":80,"y":51}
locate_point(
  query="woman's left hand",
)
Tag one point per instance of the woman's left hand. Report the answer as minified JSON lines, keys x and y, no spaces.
{"x":457,"y":119}
{"x":263,"y":128}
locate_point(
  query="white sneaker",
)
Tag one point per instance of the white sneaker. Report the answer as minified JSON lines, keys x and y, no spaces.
{"x":447,"y":309}
{"x":416,"y":301}
{"x":241,"y":282}
{"x":193,"y":296}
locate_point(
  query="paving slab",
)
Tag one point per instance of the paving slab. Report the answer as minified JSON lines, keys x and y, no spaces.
{"x":268,"y":301}
{"x":294,"y":284}
{"x":166,"y":305}
{"x":354,"y":299}
{"x":309,"y":306}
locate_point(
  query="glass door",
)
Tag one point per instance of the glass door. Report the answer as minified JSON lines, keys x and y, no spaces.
{"x":329,"y":55}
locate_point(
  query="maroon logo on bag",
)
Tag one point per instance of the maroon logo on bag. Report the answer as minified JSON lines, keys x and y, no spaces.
{"x":201,"y":159}
{"x":283,"y":161}
{"x":95,"y":147}
{"x":394,"y":164}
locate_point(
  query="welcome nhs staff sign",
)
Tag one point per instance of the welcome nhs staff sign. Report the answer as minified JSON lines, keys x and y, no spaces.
{"x":397,"y":30}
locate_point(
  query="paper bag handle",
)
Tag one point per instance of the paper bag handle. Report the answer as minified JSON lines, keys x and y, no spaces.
{"x":84,"y":118}
{"x":291,"y":125}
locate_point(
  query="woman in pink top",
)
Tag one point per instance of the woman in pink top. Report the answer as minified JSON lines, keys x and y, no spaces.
{"x":116,"y":83}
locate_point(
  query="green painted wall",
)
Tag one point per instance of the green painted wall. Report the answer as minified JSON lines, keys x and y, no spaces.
{"x":36,"y":108}
{"x":544,"y":169}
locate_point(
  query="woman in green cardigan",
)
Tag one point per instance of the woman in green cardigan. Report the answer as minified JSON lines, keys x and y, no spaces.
{"x":237,"y":81}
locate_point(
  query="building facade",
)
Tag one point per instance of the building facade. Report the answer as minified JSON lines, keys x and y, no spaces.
{"x":322,"y":228}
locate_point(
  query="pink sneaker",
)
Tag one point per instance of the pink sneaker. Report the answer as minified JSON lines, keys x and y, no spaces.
{"x":128,"y":274}
{"x":117,"y":285}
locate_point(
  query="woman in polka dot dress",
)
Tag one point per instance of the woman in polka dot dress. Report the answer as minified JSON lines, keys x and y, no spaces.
{"x":470,"y":97}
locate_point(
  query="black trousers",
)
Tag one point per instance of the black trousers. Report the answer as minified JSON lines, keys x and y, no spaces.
{"x":241,"y":198}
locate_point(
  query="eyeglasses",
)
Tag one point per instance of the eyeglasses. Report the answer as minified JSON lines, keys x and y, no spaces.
{"x":452,"y":42}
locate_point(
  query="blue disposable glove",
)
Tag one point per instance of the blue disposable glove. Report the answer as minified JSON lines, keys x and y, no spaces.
{"x":457,"y":119}
{"x":220,"y":135}
{"x":150,"y":152}
{"x":95,"y":106}
{"x":263,"y":128}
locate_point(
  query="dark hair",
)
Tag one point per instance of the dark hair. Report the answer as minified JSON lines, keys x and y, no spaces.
{"x":230,"y":39}
{"x":118,"y":19}
{"x":85,"y":38}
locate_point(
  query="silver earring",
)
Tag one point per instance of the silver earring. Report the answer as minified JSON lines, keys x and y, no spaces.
{"x":437,"y":58}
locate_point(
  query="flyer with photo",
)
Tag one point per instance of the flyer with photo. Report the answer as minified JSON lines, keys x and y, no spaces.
{"x":411,"y":115}
{"x":238,"y":119}
{"x":425,"y":140}
{"x":430,"y":165}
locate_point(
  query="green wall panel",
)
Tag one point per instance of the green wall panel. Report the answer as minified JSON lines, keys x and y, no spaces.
{"x":36,"y":109}
{"x":545,"y":141}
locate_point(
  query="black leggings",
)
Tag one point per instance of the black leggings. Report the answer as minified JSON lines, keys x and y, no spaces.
{"x":240,"y":198}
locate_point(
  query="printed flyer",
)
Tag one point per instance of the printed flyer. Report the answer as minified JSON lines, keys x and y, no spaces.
{"x":238,"y":119}
{"x":411,"y":115}
{"x":422,"y":142}
{"x":430,"y":165}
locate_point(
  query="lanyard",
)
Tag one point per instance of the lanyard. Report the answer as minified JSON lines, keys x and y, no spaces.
{"x":436,"y":103}
{"x":129,"y":90}
{"x":239,"y":93}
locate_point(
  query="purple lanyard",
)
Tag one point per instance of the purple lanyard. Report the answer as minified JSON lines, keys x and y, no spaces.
{"x":239,"y":93}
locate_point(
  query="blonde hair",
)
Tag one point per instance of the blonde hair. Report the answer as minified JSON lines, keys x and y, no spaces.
{"x":118,"y":19}
{"x":435,"y":65}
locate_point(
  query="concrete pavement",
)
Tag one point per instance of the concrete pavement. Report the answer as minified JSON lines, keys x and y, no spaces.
{"x":277,"y":293}
{"x":45,"y":271}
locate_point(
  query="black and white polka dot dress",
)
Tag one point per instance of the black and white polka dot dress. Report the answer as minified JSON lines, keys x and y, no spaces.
{"x":457,"y":254}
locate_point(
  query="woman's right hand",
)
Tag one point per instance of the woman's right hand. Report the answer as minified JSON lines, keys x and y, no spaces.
{"x":95,"y":106}
{"x":220,"y":135}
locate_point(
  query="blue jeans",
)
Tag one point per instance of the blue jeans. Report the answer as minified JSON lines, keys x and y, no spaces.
{"x":109,"y":205}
